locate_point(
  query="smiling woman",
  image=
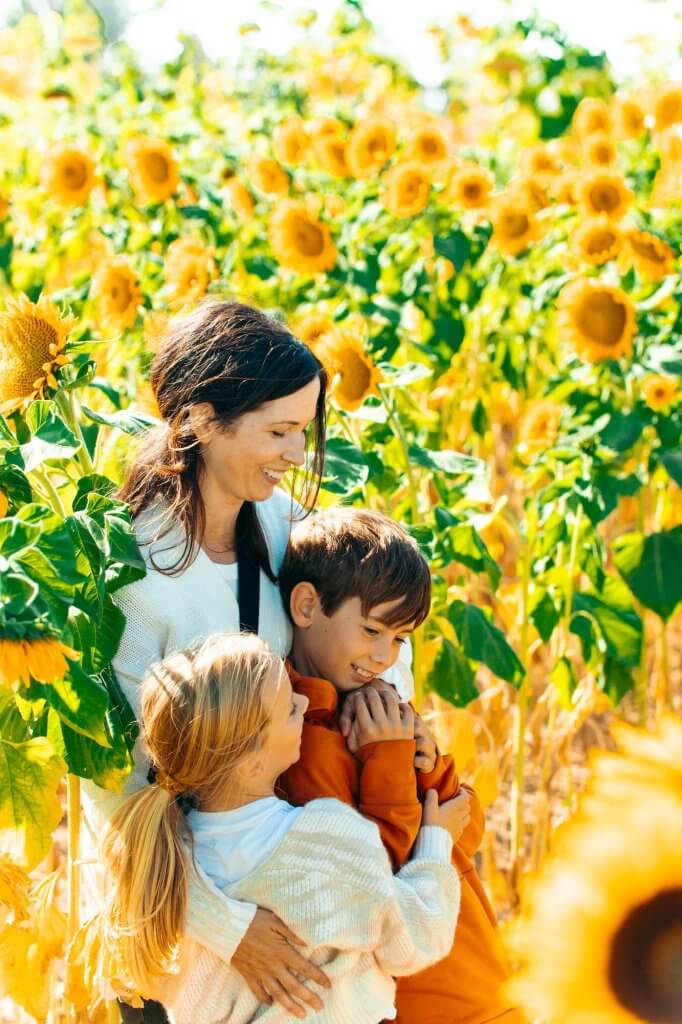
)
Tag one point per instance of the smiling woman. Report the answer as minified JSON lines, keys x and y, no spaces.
{"x":242,"y":399}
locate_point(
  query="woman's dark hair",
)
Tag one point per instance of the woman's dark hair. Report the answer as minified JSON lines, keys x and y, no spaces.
{"x":236,"y":358}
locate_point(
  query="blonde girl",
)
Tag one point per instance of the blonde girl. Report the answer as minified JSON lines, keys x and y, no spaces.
{"x":220,"y":724}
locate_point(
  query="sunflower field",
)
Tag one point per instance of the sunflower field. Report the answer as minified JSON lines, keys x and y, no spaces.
{"x":491,"y":273}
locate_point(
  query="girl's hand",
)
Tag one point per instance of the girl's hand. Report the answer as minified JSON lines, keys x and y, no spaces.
{"x":376,"y":721}
{"x":453,"y":815}
{"x":353,"y":698}
{"x":269,"y":964}
{"x":427,"y":751}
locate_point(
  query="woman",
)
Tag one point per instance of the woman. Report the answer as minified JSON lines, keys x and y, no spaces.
{"x":242,"y":401}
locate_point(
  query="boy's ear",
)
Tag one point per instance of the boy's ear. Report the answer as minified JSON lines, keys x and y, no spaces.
{"x":303,"y":604}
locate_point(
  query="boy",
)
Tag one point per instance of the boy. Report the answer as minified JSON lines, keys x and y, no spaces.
{"x":356,"y":585}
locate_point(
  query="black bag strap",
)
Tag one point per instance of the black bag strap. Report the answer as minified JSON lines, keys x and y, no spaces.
{"x":248,"y":594}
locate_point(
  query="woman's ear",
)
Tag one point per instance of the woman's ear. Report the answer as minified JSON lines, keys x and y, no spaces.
{"x":304,"y":604}
{"x":202,"y":421}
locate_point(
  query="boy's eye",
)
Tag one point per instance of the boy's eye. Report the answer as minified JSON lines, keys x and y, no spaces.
{"x":371,"y":632}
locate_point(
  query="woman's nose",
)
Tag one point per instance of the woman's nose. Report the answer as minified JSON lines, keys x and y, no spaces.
{"x":295,"y":454}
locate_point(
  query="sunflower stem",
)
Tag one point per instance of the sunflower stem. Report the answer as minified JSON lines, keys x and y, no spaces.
{"x":73,"y":811}
{"x":52,"y":493}
{"x":67,"y":404}
{"x":522,"y":700}
{"x":413,"y":491}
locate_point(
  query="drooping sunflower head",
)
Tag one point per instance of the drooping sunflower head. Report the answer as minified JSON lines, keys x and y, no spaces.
{"x":668,"y":105}
{"x":599,"y":151}
{"x":651,"y":256}
{"x":471,"y":186}
{"x":630,"y":118}
{"x":592,"y":115}
{"x":40,"y":656}
{"x":117,"y":293}
{"x":659,"y":392}
{"x":429,"y":147}
{"x":406,"y":189}
{"x":188,"y":268}
{"x":300,"y":240}
{"x":32,"y":341}
{"x":68,"y":174}
{"x":239,"y":198}
{"x":533,"y":191}
{"x":539,"y":429}
{"x":290,"y":141}
{"x":354,"y":373}
{"x":267,"y":176}
{"x":330,"y":153}
{"x":514,"y":224}
{"x":153,"y":170}
{"x":370,"y":146}
{"x":540,"y":162}
{"x":313,"y":328}
{"x":597,"y":319}
{"x":603,"y":191}
{"x":598,"y":240}
{"x":564,"y":188}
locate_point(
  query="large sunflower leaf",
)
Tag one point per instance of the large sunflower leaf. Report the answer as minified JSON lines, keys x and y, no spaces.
{"x":30,"y":773}
{"x":651,"y":567}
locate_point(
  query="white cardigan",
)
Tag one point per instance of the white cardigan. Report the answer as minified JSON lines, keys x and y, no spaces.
{"x":165,"y":613}
{"x":331,"y":881}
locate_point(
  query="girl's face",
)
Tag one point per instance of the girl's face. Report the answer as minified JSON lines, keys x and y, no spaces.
{"x":281,"y":746}
{"x":247,"y":460}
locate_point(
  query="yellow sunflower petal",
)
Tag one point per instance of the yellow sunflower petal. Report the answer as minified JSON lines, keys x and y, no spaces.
{"x":29,"y":333}
{"x":597,"y":319}
{"x":299,"y":240}
{"x":406,"y":189}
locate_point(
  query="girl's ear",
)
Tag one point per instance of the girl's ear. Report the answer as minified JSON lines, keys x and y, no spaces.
{"x":202,"y":421}
{"x":304,"y":604}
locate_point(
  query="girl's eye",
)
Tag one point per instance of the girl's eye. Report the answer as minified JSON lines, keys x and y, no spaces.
{"x":293,"y":709}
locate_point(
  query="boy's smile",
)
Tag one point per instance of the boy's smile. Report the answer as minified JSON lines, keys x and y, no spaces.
{"x":347,"y":648}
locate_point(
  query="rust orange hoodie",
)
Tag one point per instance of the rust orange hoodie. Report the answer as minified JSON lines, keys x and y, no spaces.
{"x":381,"y":782}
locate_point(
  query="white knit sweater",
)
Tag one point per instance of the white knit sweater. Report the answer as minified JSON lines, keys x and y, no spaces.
{"x":163,"y":614}
{"x":331,"y":881}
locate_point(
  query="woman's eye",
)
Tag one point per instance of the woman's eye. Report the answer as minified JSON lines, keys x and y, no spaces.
{"x":277,"y":433}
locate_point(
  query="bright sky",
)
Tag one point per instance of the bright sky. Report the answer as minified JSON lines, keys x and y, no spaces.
{"x":155,"y":24}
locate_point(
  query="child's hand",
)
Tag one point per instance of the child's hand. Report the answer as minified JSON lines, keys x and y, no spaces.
{"x":350,"y":703}
{"x":376,"y":722}
{"x":453,"y":815}
{"x":427,"y":752}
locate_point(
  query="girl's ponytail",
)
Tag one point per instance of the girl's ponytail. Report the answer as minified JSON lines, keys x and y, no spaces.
{"x":146,"y":906}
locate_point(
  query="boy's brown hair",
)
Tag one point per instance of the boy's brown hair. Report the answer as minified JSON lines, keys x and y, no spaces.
{"x":348,"y":553}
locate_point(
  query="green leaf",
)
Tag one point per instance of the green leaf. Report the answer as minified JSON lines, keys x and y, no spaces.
{"x":445,"y":461}
{"x":30,"y":773}
{"x":651,"y":567}
{"x":618,"y":681}
{"x":108,"y":767}
{"x":672,"y":461}
{"x":564,"y":681}
{"x":50,"y":437}
{"x":98,"y":640}
{"x":17,"y":536}
{"x":543,"y":613}
{"x":133,"y":423}
{"x":620,"y":628}
{"x":452,"y":677}
{"x":403,"y":375}
{"x":466,"y":546}
{"x":79,"y":700}
{"x":450,"y":329}
{"x":345,"y":466}
{"x":455,"y":247}
{"x":481,"y":640}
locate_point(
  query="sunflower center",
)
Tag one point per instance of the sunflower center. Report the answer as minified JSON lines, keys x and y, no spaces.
{"x":602,"y":318}
{"x":645,"y":968}
{"x":75,"y":174}
{"x":472,"y":189}
{"x":121,"y":295}
{"x":377,"y":148}
{"x":430,"y":147}
{"x":516,"y":224}
{"x":156,"y":167}
{"x":600,"y":241}
{"x":604,"y":198}
{"x":309,"y":238}
{"x":356,"y":375}
{"x":647,"y":250}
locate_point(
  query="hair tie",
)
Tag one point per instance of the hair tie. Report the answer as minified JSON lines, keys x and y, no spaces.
{"x":185,"y":802}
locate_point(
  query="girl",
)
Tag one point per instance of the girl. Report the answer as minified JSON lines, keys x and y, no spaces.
{"x":221,"y":723}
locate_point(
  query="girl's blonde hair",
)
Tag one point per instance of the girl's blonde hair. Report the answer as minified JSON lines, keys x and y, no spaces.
{"x":202,"y":713}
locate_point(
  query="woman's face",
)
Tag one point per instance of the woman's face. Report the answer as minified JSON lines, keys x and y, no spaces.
{"x":247,"y":460}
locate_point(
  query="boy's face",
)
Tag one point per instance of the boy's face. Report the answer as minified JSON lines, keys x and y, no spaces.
{"x":347,"y":648}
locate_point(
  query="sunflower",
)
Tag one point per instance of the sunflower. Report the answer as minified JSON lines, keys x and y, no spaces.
{"x":668,"y":105}
{"x":603,"y":191}
{"x":611,"y":926}
{"x":597,"y":319}
{"x":32,"y":341}
{"x":42,"y":658}
{"x":330,"y":153}
{"x":652,"y":257}
{"x":188,"y":268}
{"x":659,"y":392}
{"x":598,"y":240}
{"x":290,"y":141}
{"x":630,"y":118}
{"x":68,"y":174}
{"x":153,"y":170}
{"x":670,"y":145}
{"x":540,"y":162}
{"x":4,"y":504}
{"x":355,"y":375}
{"x":564,"y":188}
{"x":428,"y":147}
{"x":117,"y":293}
{"x":313,"y":328}
{"x":592,"y":116}
{"x":239,"y":198}
{"x":470,"y":186}
{"x":531,"y":190}
{"x":539,"y":429}
{"x":599,"y":151}
{"x":406,"y":189}
{"x":15,"y":885}
{"x":267,"y":176}
{"x":371,"y":144}
{"x":299,"y":240}
{"x":514,"y":225}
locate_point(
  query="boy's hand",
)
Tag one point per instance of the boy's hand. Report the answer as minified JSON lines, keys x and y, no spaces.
{"x":375,"y":722}
{"x":427,"y":751}
{"x":350,"y":703}
{"x":453,"y":815}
